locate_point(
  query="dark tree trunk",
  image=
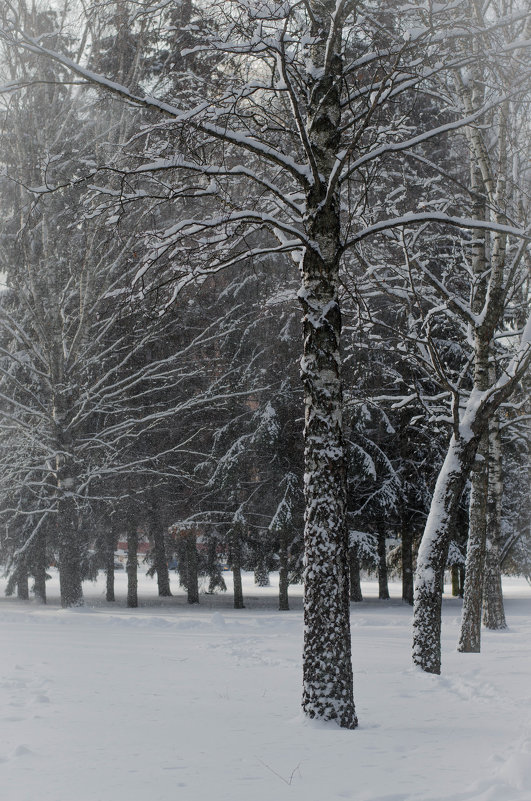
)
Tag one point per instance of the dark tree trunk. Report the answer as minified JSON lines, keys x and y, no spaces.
{"x":327,"y":660}
{"x":110,"y":545}
{"x":236,"y":561}
{"x":192,"y":567}
{"x":132,"y":565}
{"x":383,"y":582}
{"x":456,"y":589}
{"x":159,"y":547}
{"x":356,"y":594}
{"x":470,"y":634}
{"x":462,"y":575}
{"x":69,"y":555}
{"x":407,"y":564}
{"x":283,"y":573}
{"x":22,"y":583}
{"x":40,"y":565}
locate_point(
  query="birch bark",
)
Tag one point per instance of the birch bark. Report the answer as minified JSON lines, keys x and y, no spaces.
{"x":327,"y":667}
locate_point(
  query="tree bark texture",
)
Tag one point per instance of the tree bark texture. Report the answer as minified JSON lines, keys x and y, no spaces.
{"x":470,"y":633}
{"x":69,"y":553}
{"x":493,"y":608}
{"x":327,"y":665}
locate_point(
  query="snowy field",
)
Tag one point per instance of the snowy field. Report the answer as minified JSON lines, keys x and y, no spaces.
{"x":174,"y":702}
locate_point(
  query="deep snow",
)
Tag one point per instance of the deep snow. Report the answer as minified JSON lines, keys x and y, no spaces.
{"x":197,"y":703}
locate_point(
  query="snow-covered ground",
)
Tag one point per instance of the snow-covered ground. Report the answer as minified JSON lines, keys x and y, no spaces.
{"x":199,"y":703}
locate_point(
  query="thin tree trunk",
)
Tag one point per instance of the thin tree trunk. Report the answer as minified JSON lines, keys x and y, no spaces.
{"x":470,"y":634}
{"x":110,"y":544}
{"x":356,"y":594}
{"x":283,"y":574}
{"x":407,"y":563}
{"x":159,"y":546}
{"x":236,"y":558}
{"x":493,"y":609}
{"x":40,"y":565}
{"x":383,"y":583}
{"x":132,"y":565}
{"x":192,"y":576}
{"x":455,"y":581}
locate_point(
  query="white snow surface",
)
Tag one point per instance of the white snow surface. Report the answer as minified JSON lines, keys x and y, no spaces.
{"x":169,"y":701}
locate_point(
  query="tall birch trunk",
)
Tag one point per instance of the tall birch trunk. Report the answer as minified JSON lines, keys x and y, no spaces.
{"x":327,"y":666}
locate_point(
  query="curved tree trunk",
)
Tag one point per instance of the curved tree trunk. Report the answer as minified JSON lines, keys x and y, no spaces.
{"x":433,"y":552}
